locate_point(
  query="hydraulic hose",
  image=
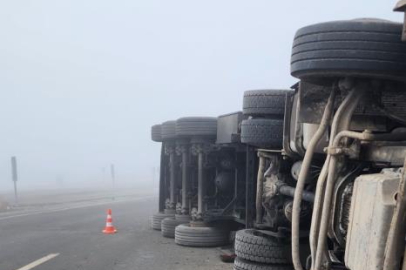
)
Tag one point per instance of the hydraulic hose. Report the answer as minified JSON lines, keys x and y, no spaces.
{"x":304,"y":170}
{"x":341,"y":121}
{"x":314,"y":227}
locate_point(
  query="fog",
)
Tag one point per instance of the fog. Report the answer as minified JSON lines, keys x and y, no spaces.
{"x":82,"y":81}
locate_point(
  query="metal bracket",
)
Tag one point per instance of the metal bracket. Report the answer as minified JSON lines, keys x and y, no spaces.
{"x":334,"y":151}
{"x":401,"y":7}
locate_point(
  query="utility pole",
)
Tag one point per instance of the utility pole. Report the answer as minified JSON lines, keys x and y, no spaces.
{"x":113,"y":174}
{"x":14,"y":177}
{"x":113,"y":177}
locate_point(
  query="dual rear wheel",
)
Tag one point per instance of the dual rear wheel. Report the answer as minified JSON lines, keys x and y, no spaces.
{"x":256,"y":250}
{"x":265,"y":108}
{"x":168,"y":225}
{"x":156,"y":220}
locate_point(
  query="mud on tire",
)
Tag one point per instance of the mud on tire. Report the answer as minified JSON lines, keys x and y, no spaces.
{"x":266,"y":133}
{"x":251,"y":245}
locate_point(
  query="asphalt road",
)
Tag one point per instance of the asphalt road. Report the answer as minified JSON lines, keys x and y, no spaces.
{"x":71,"y":238}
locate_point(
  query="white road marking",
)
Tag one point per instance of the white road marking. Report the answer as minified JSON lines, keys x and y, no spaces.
{"x":38,"y":262}
{"x":73,"y":207}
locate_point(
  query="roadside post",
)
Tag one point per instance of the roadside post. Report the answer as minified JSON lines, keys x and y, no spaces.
{"x":14,"y":177}
{"x":113,"y":178}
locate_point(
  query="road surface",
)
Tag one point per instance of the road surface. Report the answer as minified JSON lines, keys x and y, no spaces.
{"x":70,"y":238}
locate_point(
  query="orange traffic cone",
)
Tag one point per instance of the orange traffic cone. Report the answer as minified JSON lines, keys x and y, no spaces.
{"x":109,"y":229}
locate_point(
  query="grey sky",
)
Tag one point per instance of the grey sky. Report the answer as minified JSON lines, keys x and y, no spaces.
{"x":82,"y":81}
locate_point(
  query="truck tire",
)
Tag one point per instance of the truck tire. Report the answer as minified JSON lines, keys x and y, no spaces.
{"x":251,"y":245}
{"x":185,"y":235}
{"x":157,"y":218}
{"x":156,"y":131}
{"x":168,"y":130}
{"x":264,"y":102}
{"x":369,"y":48}
{"x":168,"y":226}
{"x":241,"y":264}
{"x":196,"y":126}
{"x":265,"y":133}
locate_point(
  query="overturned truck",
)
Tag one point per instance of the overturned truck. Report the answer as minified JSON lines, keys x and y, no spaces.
{"x":311,"y":177}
